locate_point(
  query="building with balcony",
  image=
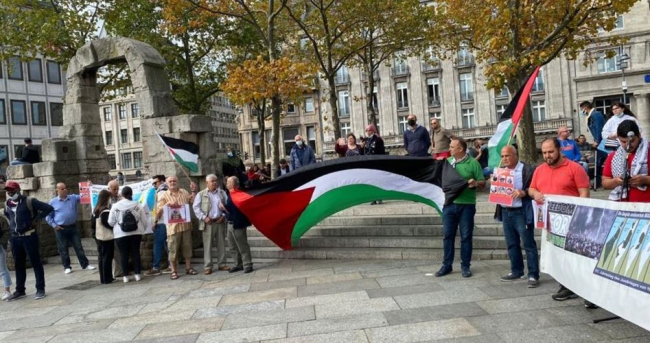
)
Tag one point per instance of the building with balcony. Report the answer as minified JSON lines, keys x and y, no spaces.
{"x":31,"y":104}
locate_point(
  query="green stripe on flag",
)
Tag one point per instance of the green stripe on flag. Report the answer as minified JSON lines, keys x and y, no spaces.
{"x":189,"y":165}
{"x":498,"y":141}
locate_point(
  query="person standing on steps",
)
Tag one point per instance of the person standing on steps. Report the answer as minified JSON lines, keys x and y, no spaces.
{"x":237,"y":236}
{"x":207,"y":207}
{"x":416,"y":138}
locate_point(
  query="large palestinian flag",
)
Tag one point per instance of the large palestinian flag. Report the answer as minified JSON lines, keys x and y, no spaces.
{"x":185,"y":153}
{"x":284,"y":209}
{"x":509,"y":121}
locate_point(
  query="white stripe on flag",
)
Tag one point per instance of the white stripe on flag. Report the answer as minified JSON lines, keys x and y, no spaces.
{"x":498,"y":135}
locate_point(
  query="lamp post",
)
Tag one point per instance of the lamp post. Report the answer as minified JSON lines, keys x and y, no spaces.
{"x":622,"y":64}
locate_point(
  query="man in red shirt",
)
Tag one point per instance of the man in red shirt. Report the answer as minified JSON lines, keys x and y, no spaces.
{"x":637,"y":166}
{"x":558,"y":176}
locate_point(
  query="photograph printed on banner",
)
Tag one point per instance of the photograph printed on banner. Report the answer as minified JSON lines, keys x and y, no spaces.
{"x":588,"y":230}
{"x":560,"y":215}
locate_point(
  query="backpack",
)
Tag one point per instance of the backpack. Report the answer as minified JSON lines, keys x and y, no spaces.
{"x":129,"y":223}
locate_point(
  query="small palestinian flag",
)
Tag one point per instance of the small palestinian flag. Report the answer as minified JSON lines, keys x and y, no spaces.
{"x":285,"y":208}
{"x":185,"y":153}
{"x":509,"y":121}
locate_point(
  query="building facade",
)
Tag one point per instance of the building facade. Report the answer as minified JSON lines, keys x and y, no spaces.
{"x":224,"y":123}
{"x":31,"y":104}
{"x":454,"y":90}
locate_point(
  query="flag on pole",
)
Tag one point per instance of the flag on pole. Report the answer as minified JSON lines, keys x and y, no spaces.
{"x":185,"y":153}
{"x":287,"y":207}
{"x":509,"y":121}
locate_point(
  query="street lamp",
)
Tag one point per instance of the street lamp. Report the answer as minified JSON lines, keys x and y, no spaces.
{"x":622,"y":64}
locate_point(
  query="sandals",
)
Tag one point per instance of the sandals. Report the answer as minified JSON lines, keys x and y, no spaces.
{"x":190,"y":271}
{"x":174,"y":276}
{"x":207,"y":271}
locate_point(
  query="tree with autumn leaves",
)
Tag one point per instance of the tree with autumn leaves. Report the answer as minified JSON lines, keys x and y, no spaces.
{"x":513,"y":37}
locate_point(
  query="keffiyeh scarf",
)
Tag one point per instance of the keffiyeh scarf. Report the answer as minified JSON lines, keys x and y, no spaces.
{"x":639,"y":167}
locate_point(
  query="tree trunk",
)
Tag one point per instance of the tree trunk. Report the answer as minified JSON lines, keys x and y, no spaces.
{"x":526,"y":142}
{"x":276,"y":106}
{"x":260,"y":133}
{"x":372,"y":114}
{"x":336,"y":123}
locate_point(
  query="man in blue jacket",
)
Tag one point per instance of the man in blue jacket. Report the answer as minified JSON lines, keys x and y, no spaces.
{"x":237,"y":236}
{"x":22,"y":213}
{"x":570,"y":148}
{"x":595,"y":123}
{"x":416,"y":138}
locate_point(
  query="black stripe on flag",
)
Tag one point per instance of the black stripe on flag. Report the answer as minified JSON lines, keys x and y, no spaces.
{"x":179,"y":144}
{"x":510,"y":110}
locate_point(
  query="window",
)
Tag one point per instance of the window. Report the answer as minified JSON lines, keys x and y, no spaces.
{"x":256,"y":145}
{"x":136,"y":134}
{"x":539,"y":110}
{"x":111,"y":161}
{"x":1,"y":78}
{"x":56,"y":114}
{"x":500,"y":110}
{"x":289,"y":135}
{"x":137,"y":159}
{"x":124,"y":136}
{"x":107,"y":114}
{"x":608,"y":65}
{"x":126,"y":160}
{"x":38,"y":113}
{"x":311,"y":136}
{"x":291,"y":108}
{"x":342,"y":75}
{"x":267,"y":139}
{"x":18,"y":112}
{"x":466,"y":87}
{"x":345,"y":129}
{"x":15,"y":68}
{"x":122,"y":111}
{"x":4,"y":156}
{"x":375,"y":98}
{"x":400,"y":67}
{"x":538,"y":85}
{"x":53,"y":73}
{"x":468,"y":118}
{"x":135,"y":110}
{"x":619,"y":22}
{"x":402,"y":124}
{"x":402,"y":95}
{"x":503,"y":93}
{"x":465,"y":58}
{"x":3,"y":114}
{"x":344,"y":103}
{"x":435,"y":115}
{"x":109,"y":137}
{"x":35,"y":70}
{"x":433,"y":91}
{"x":309,"y":105}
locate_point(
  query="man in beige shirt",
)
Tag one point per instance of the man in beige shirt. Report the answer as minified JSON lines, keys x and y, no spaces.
{"x":440,"y":139}
{"x":179,"y":235}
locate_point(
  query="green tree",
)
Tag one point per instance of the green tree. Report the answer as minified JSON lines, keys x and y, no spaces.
{"x":513,"y":37}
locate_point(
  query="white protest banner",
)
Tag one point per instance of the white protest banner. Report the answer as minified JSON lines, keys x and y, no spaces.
{"x":143,"y":192}
{"x":601,"y":251}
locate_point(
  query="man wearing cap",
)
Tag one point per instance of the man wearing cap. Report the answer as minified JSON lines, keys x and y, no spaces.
{"x":22,"y":213}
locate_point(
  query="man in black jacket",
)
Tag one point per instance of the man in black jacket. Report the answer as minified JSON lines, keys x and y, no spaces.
{"x":237,"y":225}
{"x":518,"y":220}
{"x":22,"y":213}
{"x":30,"y":154}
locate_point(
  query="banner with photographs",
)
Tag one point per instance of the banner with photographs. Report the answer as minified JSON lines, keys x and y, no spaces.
{"x":143,"y":192}
{"x":502,"y":186}
{"x":600,"y":250}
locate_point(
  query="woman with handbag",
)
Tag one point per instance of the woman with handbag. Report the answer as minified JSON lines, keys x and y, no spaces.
{"x":103,"y":234}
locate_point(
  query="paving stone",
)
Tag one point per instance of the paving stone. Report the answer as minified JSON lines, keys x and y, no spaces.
{"x":174,"y":339}
{"x":180,"y":328}
{"x":243,"y":320}
{"x":26,"y":312}
{"x":439,"y":298}
{"x":424,"y":331}
{"x":337,"y":287}
{"x":194,"y":303}
{"x":245,"y":335}
{"x":301,"y":274}
{"x":342,"y":309}
{"x":261,"y":296}
{"x":535,"y":302}
{"x":405,"y":290}
{"x":210,"y":292}
{"x":357,"y":336}
{"x":152,"y":318}
{"x":427,"y":314}
{"x":46,"y":319}
{"x":335,"y":324}
{"x":48,"y":332}
{"x":100,"y":336}
{"x":226,"y":310}
{"x":390,"y":272}
{"x":404,"y":280}
{"x":142,"y":300}
{"x":487,"y":338}
{"x":116,"y":312}
{"x":518,"y":289}
{"x":326,"y":299}
{"x":621,"y":329}
{"x":264,"y":286}
{"x":333,"y":278}
{"x":514,"y":321}
{"x":367,"y":267}
{"x":570,"y":333}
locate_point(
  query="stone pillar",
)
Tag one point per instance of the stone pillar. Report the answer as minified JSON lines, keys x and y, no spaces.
{"x":642,"y":111}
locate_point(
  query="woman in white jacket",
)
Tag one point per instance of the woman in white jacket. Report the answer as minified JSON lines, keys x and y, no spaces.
{"x":128,"y":220}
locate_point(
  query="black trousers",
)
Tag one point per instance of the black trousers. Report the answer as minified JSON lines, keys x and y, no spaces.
{"x":23,"y":247}
{"x":106,"y":253}
{"x":129,"y":246}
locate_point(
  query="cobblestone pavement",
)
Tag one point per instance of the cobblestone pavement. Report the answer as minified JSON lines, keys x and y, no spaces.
{"x":308,"y":301}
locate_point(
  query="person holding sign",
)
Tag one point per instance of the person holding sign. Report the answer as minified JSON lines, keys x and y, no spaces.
{"x":517,"y":220}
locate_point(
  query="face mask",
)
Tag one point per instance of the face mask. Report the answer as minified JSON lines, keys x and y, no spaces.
{"x":411,"y":122}
{"x":299,"y":143}
{"x":618,"y":115}
{"x":15,"y":197}
{"x":230,"y":154}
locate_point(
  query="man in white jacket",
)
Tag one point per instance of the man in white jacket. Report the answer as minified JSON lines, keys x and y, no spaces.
{"x":128,"y":220}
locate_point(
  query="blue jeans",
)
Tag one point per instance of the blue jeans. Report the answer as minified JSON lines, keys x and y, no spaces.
{"x":23,"y":247}
{"x":70,"y":235}
{"x":18,"y":162}
{"x":159,"y":244}
{"x":4,"y":271}
{"x":487,"y":171}
{"x":515,"y":229}
{"x":453,"y":217}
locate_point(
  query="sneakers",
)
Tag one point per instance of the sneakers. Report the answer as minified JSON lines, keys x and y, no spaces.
{"x":532,"y":282}
{"x":236,"y":269}
{"x":6,"y":296}
{"x":443,"y":271}
{"x":39,"y":295}
{"x":17,"y":295}
{"x":248,"y":270}
{"x":511,"y":277}
{"x":167,"y":271}
{"x":138,"y":277}
{"x":466,"y":272}
{"x":125,"y":279}
{"x":589,"y":305}
{"x":152,"y":272}
{"x":90,"y":267}
{"x":67,"y":271}
{"x":564,"y":294}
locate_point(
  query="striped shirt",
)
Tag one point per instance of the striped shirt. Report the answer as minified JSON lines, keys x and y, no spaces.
{"x":181,"y":197}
